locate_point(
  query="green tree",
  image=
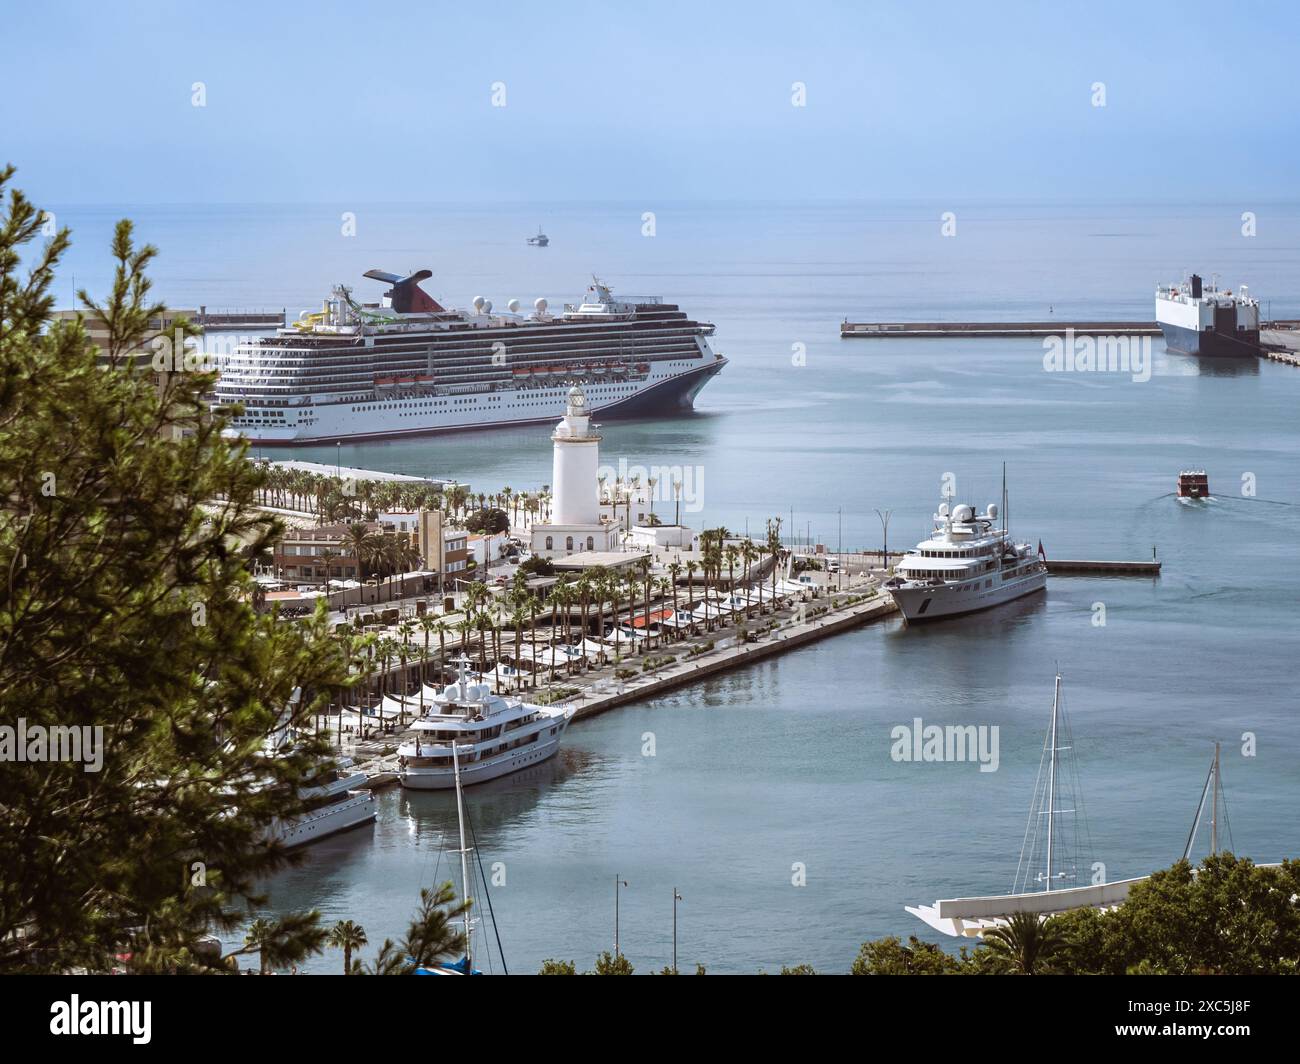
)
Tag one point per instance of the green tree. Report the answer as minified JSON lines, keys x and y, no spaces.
{"x":431,"y":938}
{"x":126,"y":525}
{"x":888,"y":956}
{"x":553,"y":967}
{"x":348,"y":937}
{"x":608,"y":964}
{"x":282,"y":942}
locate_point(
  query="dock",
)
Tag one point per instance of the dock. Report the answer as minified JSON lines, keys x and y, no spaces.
{"x":1063,"y":567}
{"x":885,"y":330}
{"x":992,"y":329}
{"x":232,"y":320}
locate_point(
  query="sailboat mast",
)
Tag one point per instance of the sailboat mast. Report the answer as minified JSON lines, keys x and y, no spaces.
{"x":1214,"y":811}
{"x":1006,"y":517}
{"x":1051,"y":782}
{"x":464,"y":866}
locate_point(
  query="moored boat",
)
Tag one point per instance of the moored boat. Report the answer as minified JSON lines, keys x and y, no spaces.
{"x":494,"y":736}
{"x":969,"y":563}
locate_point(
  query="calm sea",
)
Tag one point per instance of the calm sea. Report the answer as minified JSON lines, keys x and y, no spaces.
{"x":787,"y":763}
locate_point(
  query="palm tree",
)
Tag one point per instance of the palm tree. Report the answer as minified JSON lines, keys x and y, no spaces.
{"x":405,"y":630}
{"x":774,"y":549}
{"x":749,"y":554}
{"x":328,"y":556}
{"x":583,"y":590}
{"x":347,"y":936}
{"x":691,"y":566}
{"x":518,"y":618}
{"x":644,"y":566}
{"x":442,"y":628}
{"x":360,"y":542}
{"x":674,"y":573}
{"x":731,"y":553}
{"x":428,"y":625}
{"x":1025,"y":945}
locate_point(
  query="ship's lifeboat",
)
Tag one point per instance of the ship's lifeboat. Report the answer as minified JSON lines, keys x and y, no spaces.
{"x":619,"y":369}
{"x":643,"y":367}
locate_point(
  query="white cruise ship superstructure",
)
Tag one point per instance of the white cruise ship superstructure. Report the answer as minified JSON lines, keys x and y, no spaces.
{"x":493,"y":736}
{"x":967,"y":564}
{"x":407,"y":365}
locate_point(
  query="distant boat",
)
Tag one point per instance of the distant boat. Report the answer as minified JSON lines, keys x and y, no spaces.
{"x":1193,"y":484}
{"x":540,"y":240}
{"x":1202,"y":320}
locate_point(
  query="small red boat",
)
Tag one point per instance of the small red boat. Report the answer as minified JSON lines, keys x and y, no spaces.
{"x":1193,"y":484}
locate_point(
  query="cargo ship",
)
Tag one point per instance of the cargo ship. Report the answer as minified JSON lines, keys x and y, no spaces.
{"x":1201,"y":320}
{"x":406,"y":365}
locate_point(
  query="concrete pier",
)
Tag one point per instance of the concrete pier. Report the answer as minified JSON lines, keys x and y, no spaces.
{"x":1012,"y":329}
{"x":1103,"y":568}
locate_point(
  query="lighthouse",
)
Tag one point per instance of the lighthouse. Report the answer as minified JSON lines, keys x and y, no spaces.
{"x":575,"y":525}
{"x":575,"y":465}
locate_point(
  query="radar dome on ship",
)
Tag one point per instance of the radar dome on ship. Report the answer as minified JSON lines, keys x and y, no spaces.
{"x":963,"y":513}
{"x":513,"y":306}
{"x":539,"y":304}
{"x":993,"y":511}
{"x":478,"y":303}
{"x":487,"y":307}
{"x":943,"y":509}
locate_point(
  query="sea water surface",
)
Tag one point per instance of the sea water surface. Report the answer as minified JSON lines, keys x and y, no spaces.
{"x":781,"y":772}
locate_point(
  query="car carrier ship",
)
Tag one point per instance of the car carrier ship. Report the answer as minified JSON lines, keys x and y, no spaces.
{"x":407,"y":365}
{"x":1198,"y":319}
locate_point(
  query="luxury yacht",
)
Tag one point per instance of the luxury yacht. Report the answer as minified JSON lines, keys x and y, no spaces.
{"x":967,"y":564}
{"x":338,"y":802}
{"x":494,"y":736}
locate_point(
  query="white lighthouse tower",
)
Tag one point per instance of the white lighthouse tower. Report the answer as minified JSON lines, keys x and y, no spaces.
{"x":575,"y":524}
{"x":574,"y":468}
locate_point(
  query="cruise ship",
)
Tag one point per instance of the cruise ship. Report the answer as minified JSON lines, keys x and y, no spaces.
{"x":406,"y":365}
{"x":967,"y":564}
{"x":493,"y":736}
{"x":1201,"y":320}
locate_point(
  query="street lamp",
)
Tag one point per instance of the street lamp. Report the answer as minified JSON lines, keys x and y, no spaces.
{"x":884,"y":527}
{"x":676,"y":898}
{"x":618,"y":885}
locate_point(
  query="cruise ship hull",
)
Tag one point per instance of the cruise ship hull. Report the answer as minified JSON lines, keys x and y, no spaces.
{"x":484,"y":410}
{"x":1210,"y":344}
{"x":920,"y":602}
{"x":441,"y":779}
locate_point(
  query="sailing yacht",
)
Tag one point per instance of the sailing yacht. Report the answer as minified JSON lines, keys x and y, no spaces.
{"x":464,"y":966}
{"x":1049,"y":868}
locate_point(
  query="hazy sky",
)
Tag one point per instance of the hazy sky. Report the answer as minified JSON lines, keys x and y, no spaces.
{"x":360,"y":102}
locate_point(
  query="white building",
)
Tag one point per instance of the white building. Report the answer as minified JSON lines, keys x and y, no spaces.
{"x":575,"y":523}
{"x":661,"y":537}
